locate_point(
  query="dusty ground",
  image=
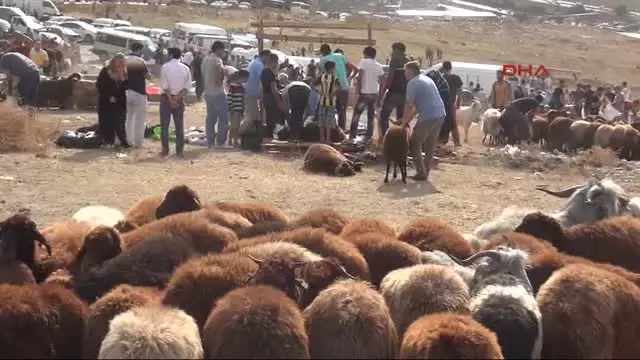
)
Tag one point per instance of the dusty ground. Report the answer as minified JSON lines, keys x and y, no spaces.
{"x":465,"y":193}
{"x":598,"y":54}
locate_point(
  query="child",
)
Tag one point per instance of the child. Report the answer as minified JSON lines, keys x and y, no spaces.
{"x":235,"y":100}
{"x":326,"y":85}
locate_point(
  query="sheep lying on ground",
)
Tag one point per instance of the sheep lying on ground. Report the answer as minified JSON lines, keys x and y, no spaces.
{"x":350,"y":320}
{"x":231,"y":220}
{"x":615,"y":240}
{"x":143,"y":211}
{"x":449,"y":336}
{"x":254,"y":211}
{"x":328,"y":219}
{"x":322,"y":158}
{"x":99,"y":215}
{"x":255,"y":322}
{"x":41,"y":322}
{"x":434,"y":234}
{"x":395,"y":149}
{"x":419,"y":290}
{"x":589,"y":313}
{"x":113,"y":303}
{"x":267,"y":227}
{"x":490,"y":126}
{"x":152,"y":332}
{"x":358,"y":227}
{"x":466,"y":115}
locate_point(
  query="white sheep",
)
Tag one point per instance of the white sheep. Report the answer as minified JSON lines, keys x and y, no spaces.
{"x":490,"y":124}
{"x":99,"y":215}
{"x":153,"y":332}
{"x":469,"y":114}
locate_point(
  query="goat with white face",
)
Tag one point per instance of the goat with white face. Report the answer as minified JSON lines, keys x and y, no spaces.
{"x":589,"y":202}
{"x":502,"y":300}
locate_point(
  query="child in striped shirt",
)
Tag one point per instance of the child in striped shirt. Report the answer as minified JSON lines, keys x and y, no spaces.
{"x":235,"y":101}
{"x":327,"y":85}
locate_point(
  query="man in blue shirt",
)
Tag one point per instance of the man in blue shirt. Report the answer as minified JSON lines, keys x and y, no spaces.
{"x":252,"y":89}
{"x":423,"y":100}
{"x":342,"y":94}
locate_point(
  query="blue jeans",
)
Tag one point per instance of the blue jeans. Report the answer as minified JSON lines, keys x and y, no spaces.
{"x":178,"y":121}
{"x":367,"y":101}
{"x":217,"y":112}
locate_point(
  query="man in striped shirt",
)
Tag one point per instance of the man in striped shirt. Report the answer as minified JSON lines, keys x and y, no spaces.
{"x":327,"y":85}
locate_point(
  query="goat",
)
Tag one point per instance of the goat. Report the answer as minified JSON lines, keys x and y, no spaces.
{"x":449,"y":336}
{"x":363,"y":226}
{"x":588,"y":202}
{"x":490,"y":125}
{"x":116,"y":301}
{"x":350,"y":320}
{"x":502,"y":300}
{"x":99,"y":215}
{"x":322,"y":158}
{"x":395,"y":148}
{"x":589,"y":313}
{"x":614,"y":240}
{"x":466,"y":115}
{"x":43,"y":321}
{"x":419,"y":290}
{"x":254,"y":211}
{"x":430,"y":233}
{"x":59,"y":91}
{"x":152,"y":332}
{"x":18,"y":238}
{"x":198,"y":283}
{"x":255,"y":322}
{"x":328,"y":219}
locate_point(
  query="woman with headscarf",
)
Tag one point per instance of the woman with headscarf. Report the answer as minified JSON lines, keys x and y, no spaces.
{"x":112,"y":101}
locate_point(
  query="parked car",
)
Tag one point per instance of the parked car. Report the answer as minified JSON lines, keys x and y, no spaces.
{"x":63,"y":32}
{"x":87,"y":31}
{"x":57,"y":20}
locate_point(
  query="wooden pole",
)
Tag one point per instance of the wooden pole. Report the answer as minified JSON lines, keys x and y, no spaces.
{"x":369,"y":31}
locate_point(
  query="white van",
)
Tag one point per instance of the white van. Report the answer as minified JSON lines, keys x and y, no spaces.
{"x":110,"y":42}
{"x":183,"y":33}
{"x":107,"y":23}
{"x":134,"y":30}
{"x":204,"y":42}
{"x":483,"y":74}
{"x":20,"y":21}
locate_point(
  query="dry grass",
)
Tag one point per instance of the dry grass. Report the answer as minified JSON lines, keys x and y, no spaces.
{"x":22,"y":132}
{"x":597,"y":157}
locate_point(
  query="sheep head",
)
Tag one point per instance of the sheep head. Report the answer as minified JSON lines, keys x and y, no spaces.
{"x":344,"y":169}
{"x":541,"y":226}
{"x":178,"y":199}
{"x":281,"y":274}
{"x":101,"y":244}
{"x":18,"y":235}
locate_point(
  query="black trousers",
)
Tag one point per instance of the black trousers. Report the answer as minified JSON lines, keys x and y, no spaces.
{"x":298,"y":101}
{"x":111,"y":122}
{"x":273,"y":115}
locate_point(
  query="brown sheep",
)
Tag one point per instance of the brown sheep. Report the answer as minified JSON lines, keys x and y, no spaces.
{"x":264,"y":228}
{"x":116,"y":301}
{"x":233,"y":221}
{"x":318,"y":241}
{"x":539,"y":130}
{"x":322,"y":158}
{"x":196,"y":285}
{"x":101,"y":244}
{"x":614,"y":240}
{"x":617,"y":140}
{"x":359,"y":227}
{"x":61,"y":277}
{"x":18,"y":238}
{"x":254,"y":211}
{"x":66,"y":239}
{"x":430,"y":233}
{"x":161,"y":247}
{"x":559,"y":133}
{"x":630,"y":149}
{"x":143,"y":211}
{"x":255,"y":322}
{"x":328,"y":219}
{"x":603,"y":136}
{"x":422,"y":290}
{"x":395,"y":149}
{"x":178,"y":199}
{"x":582,"y":135}
{"x":350,"y":320}
{"x":519,"y":240}
{"x":385,"y":254}
{"x":449,"y":336}
{"x":43,"y":321}
{"x":589,"y":313}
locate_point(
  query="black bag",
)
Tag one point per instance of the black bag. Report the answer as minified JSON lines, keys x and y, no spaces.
{"x":77,"y":140}
{"x":252,"y":139}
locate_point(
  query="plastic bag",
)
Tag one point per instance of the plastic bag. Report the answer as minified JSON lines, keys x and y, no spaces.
{"x":76,"y":140}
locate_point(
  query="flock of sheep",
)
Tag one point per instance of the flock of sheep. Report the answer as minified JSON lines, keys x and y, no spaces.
{"x":176,"y":278}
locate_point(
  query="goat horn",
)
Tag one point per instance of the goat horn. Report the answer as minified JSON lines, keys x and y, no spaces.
{"x":254,"y":259}
{"x":466,"y":262}
{"x":562,"y":193}
{"x":43,"y":241}
{"x":346,"y":273}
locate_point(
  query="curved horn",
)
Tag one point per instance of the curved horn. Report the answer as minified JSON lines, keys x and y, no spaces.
{"x":259,"y":262}
{"x":624,"y":200}
{"x":466,"y":262}
{"x":561,"y":193}
{"x":43,"y":241}
{"x":346,"y":273}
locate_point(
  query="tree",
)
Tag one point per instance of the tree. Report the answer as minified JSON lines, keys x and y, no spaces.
{"x":621,"y":10}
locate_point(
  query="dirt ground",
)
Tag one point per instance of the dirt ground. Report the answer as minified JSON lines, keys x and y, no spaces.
{"x":599,"y":55}
{"x":465,"y":192}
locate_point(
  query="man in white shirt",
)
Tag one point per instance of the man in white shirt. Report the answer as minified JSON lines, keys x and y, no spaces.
{"x":370,"y":76}
{"x":175,"y":80}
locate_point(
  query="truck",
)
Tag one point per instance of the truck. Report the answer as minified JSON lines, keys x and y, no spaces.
{"x":35,"y":8}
